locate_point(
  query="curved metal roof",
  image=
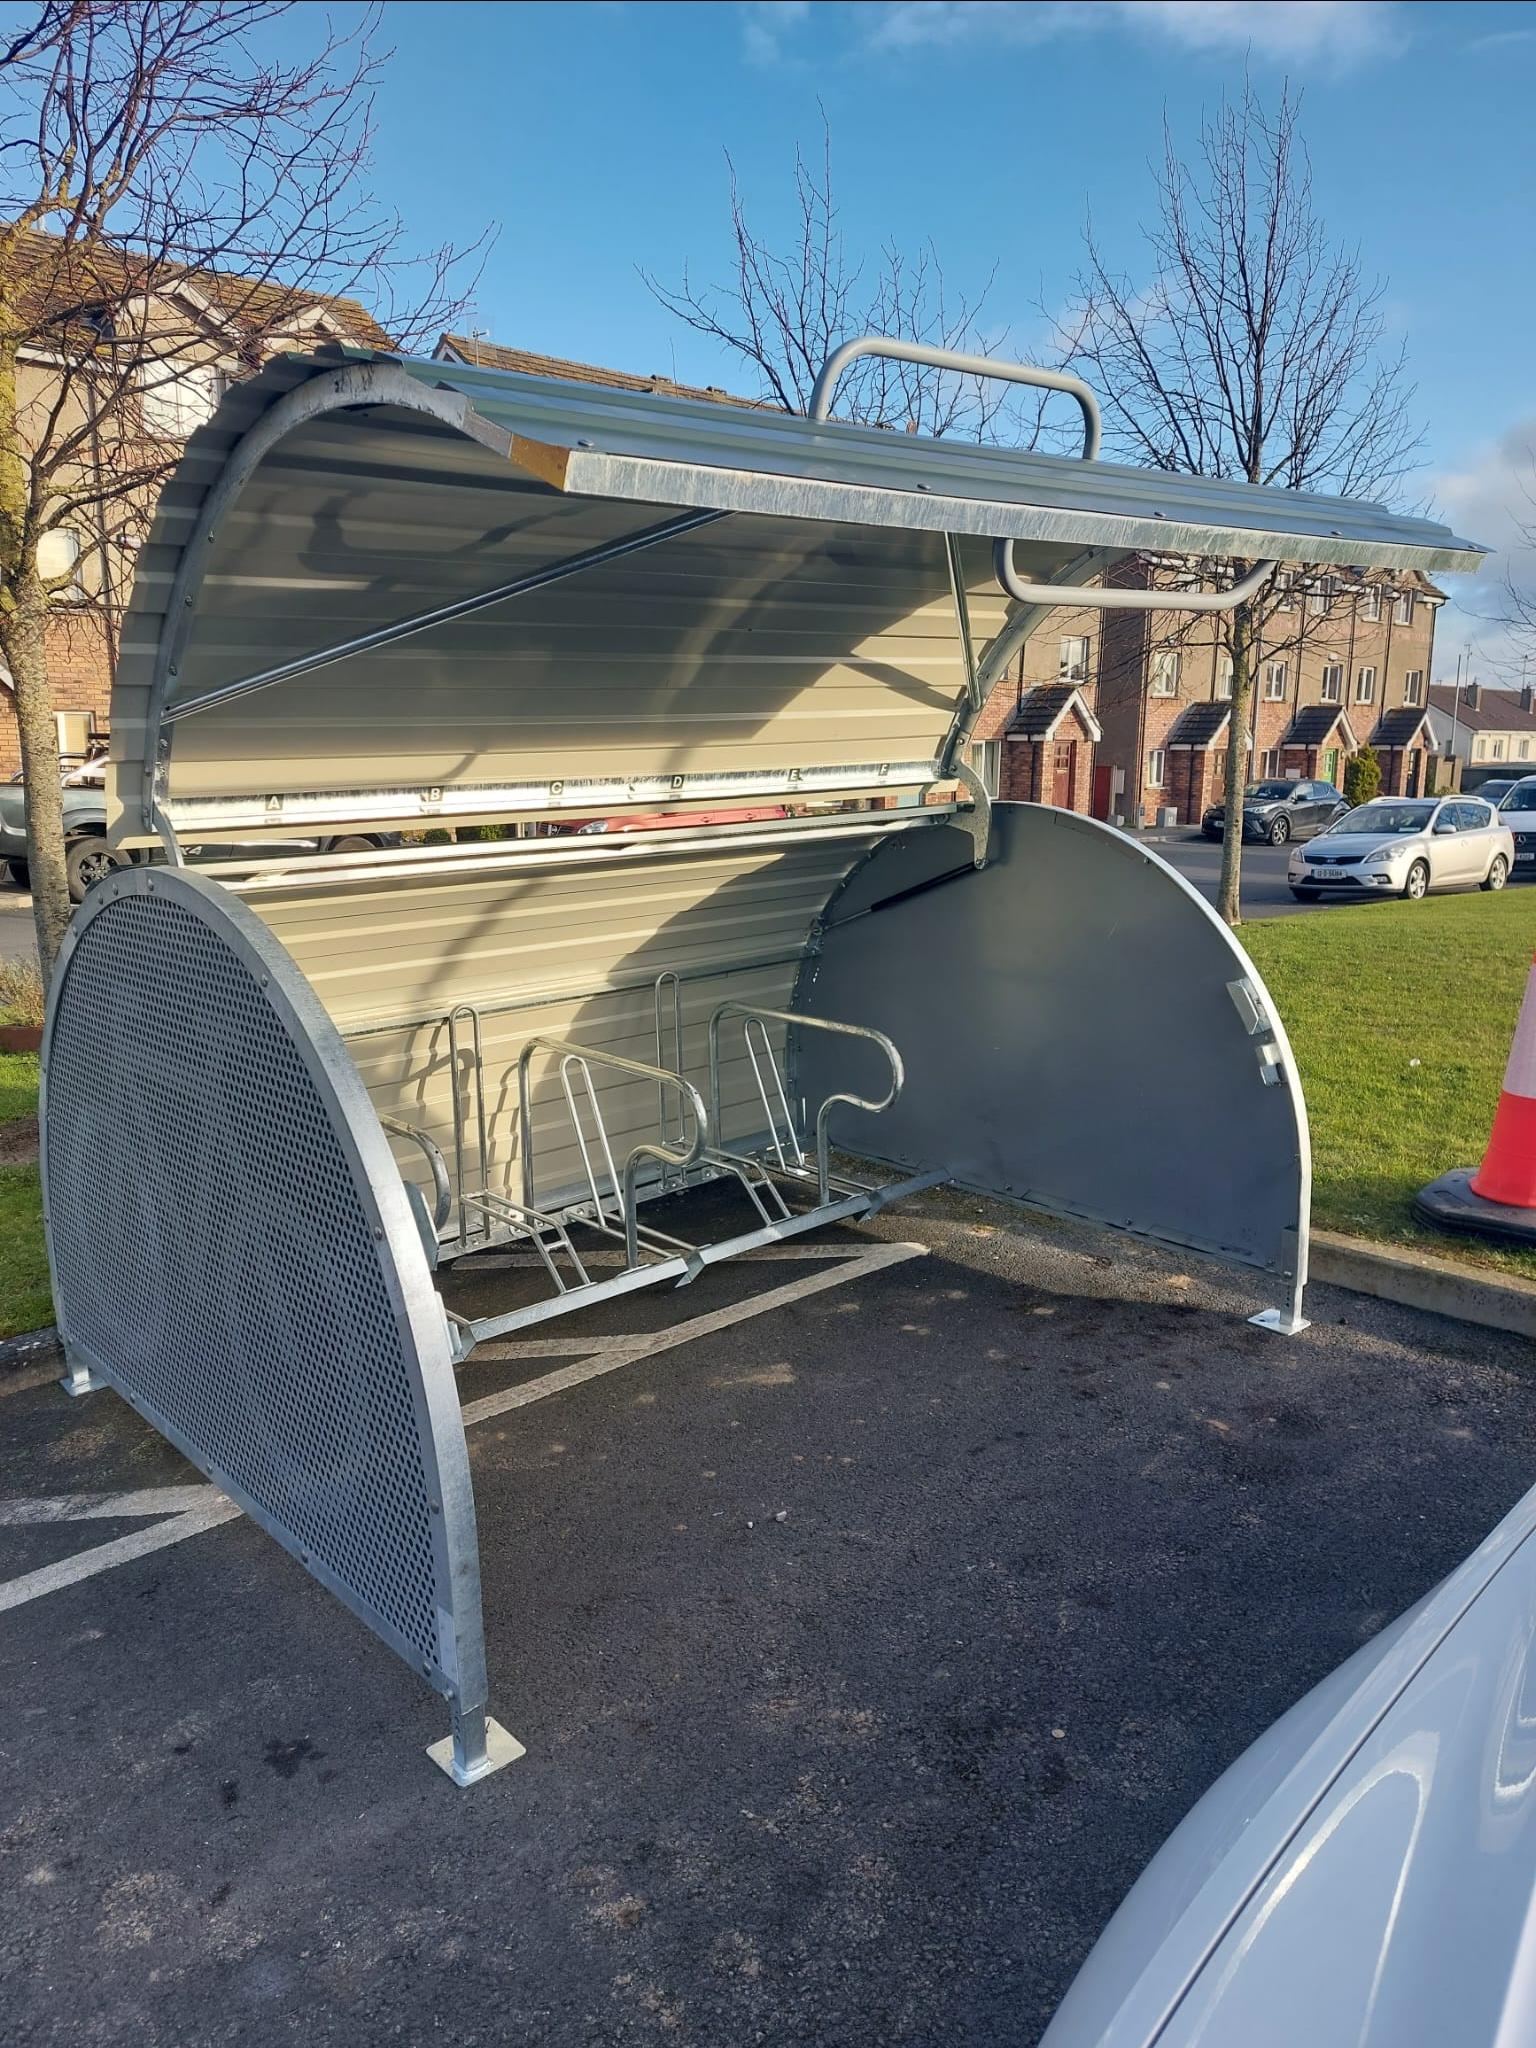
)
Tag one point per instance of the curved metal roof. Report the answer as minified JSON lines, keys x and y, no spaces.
{"x":800,"y":621}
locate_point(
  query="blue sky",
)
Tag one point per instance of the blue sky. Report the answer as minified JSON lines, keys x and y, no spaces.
{"x":595,"y":135}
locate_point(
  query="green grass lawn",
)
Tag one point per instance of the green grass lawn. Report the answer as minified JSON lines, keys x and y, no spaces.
{"x":1400,"y":1015}
{"x":25,"y":1303}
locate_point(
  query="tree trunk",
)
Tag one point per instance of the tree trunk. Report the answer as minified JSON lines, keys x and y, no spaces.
{"x":1229,"y":897}
{"x":26,"y":651}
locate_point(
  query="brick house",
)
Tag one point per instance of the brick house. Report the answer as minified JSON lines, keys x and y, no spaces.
{"x":205,"y":314}
{"x":1343,"y":662}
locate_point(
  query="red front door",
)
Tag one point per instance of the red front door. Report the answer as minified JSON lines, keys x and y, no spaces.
{"x":1103,"y":788}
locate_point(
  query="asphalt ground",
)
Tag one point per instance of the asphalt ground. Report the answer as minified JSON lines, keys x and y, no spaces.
{"x":864,"y":1646}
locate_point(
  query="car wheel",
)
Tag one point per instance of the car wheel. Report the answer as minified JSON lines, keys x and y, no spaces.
{"x":1305,"y":895}
{"x":1498,"y":872}
{"x":354,"y":842}
{"x":87,"y":862}
{"x":1279,"y":832}
{"x":1416,"y":882}
{"x":20,"y":873}
{"x":1214,"y":837}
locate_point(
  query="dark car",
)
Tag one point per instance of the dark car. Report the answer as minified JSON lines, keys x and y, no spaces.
{"x":1518,"y":812}
{"x":1494,"y":791}
{"x":87,"y":856}
{"x":1290,"y":808}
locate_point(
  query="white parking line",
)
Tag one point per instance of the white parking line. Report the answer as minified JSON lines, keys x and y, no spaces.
{"x":194,"y":1509}
{"x":874,"y":1260}
{"x":85,"y":1564}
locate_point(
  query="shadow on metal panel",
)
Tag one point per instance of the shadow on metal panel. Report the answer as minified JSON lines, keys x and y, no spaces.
{"x":1080,"y":1031}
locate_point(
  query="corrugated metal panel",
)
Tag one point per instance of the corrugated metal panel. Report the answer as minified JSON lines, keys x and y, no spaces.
{"x":573,"y":954}
{"x":812,"y":631}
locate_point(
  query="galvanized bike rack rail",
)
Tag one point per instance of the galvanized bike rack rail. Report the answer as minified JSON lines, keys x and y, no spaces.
{"x":684,"y":1153}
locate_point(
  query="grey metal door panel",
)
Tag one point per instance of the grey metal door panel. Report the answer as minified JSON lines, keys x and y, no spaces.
{"x":1071,"y":1036}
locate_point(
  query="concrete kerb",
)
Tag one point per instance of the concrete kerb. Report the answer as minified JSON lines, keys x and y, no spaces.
{"x":1415,"y":1279}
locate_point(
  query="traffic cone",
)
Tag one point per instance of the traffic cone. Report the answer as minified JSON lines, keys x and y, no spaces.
{"x":1508,"y":1171}
{"x":1499,"y":1199}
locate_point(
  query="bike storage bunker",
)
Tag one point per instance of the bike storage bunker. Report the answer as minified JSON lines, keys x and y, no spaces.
{"x":281,"y":1094}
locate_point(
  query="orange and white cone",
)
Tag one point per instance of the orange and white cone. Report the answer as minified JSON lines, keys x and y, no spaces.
{"x":1508,"y":1171}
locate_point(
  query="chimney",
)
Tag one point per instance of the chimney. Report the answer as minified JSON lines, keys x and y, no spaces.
{"x":1527,"y":697}
{"x":1471,"y":694}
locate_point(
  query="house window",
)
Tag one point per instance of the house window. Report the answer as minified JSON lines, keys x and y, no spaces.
{"x":1072,"y":660}
{"x":1525,"y":750}
{"x":1165,"y":672}
{"x":1223,"y":675}
{"x":1333,"y":683}
{"x":1365,"y":686}
{"x":986,"y":759}
{"x":58,"y":563}
{"x":1269,"y":764}
{"x":1275,"y":674}
{"x":1320,"y":596}
{"x":1413,"y":686}
{"x":1285,"y":582}
{"x":1370,"y":601}
{"x":1402,"y":609}
{"x":176,"y":398}
{"x":1496,"y":750}
{"x":1157,"y":761}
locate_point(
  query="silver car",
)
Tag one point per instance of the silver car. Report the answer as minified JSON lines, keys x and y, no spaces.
{"x":1406,"y":846}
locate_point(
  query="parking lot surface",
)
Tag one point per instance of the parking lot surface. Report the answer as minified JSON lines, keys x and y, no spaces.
{"x":865,"y":1646}
{"x":1266,"y":893}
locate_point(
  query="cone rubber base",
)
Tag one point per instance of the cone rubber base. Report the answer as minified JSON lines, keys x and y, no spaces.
{"x":1450,"y":1204}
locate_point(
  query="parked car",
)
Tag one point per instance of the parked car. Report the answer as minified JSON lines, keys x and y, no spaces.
{"x":1406,"y":846}
{"x":1494,"y":791}
{"x":1517,"y":810}
{"x":1292,"y":808}
{"x":88,"y":857}
{"x":1365,"y":1875}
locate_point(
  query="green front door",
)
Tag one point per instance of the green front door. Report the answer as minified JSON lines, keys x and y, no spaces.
{"x":1331,"y":766}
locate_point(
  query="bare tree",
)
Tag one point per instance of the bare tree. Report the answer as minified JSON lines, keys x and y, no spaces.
{"x":175,"y":202}
{"x":783,"y":312}
{"x":1254,"y":352}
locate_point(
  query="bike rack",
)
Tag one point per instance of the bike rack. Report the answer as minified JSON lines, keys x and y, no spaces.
{"x":684,"y":1153}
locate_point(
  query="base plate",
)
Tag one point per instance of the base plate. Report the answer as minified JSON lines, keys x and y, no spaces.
{"x":500,"y":1749}
{"x":1450,"y":1204}
{"x":1281,"y":1321}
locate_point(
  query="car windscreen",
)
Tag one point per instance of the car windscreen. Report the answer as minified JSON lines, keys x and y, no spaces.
{"x":1386,"y":818}
{"x":1267,"y":792}
{"x":1521,"y":798}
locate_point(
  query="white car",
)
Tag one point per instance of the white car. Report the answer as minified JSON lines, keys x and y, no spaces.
{"x":1406,"y":846}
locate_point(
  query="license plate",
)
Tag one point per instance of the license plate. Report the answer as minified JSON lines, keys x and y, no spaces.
{"x":1330,"y":874}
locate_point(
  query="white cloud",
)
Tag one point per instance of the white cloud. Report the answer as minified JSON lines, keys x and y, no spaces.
{"x":766,"y":24}
{"x":1491,"y":498}
{"x":1338,"y":32}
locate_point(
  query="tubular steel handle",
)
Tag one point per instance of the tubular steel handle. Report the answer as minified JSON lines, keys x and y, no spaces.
{"x":1095,"y":597}
{"x":795,"y":1020}
{"x":924,"y":353}
{"x":442,"y":1191}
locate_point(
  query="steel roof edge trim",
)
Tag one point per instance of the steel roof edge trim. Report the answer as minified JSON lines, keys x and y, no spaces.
{"x":593,"y":471}
{"x":460,"y":1671}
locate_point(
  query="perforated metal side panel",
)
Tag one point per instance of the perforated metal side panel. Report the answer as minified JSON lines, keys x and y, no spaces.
{"x":226,"y":1234}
